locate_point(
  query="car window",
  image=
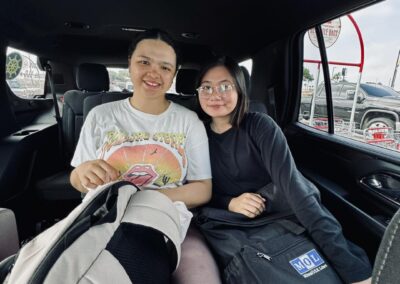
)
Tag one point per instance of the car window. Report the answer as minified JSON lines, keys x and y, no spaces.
{"x":119,"y":79}
{"x":361,"y":51}
{"x":313,"y":100}
{"x":347,"y":92}
{"x":377,"y":90}
{"x":23,"y":75}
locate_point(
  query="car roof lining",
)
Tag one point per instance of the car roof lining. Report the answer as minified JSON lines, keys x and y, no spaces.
{"x":221,"y":27}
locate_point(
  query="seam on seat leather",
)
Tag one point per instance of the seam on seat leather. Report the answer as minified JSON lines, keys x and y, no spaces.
{"x":391,"y":238}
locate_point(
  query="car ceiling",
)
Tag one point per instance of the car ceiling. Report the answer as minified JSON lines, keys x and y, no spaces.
{"x":221,"y":27}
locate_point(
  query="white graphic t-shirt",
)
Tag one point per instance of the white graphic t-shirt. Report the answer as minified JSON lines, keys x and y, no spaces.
{"x":151,"y":151}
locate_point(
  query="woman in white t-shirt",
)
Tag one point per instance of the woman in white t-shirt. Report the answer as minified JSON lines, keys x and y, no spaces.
{"x":149,"y":141}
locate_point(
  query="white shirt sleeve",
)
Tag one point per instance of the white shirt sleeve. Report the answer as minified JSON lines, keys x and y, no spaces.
{"x":86,"y":147}
{"x":197,"y":152}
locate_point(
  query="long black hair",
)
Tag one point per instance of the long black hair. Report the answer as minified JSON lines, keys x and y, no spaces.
{"x":155,"y":34}
{"x":236,"y":72}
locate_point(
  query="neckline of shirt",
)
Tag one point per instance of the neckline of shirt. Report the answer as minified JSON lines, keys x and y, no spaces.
{"x":220,"y":135}
{"x":149,"y":115}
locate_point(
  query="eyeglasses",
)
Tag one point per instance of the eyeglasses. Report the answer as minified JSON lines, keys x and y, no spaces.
{"x":223,"y":90}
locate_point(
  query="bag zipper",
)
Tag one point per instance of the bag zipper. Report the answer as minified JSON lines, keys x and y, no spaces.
{"x":263,"y":255}
{"x":269,"y":257}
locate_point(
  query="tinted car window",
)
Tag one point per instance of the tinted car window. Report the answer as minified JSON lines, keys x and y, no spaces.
{"x":380,"y":91}
{"x":376,"y":106}
{"x":23,"y":75}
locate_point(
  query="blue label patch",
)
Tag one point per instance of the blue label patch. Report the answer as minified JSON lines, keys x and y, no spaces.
{"x":307,"y":262}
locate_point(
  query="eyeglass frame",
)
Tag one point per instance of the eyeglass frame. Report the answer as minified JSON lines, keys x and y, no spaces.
{"x":216,"y":89}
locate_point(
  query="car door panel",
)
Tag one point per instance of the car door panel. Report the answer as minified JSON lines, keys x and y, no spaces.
{"x":337,"y":166}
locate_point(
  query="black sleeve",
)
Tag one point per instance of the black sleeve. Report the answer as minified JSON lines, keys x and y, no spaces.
{"x":302,"y":196}
{"x":220,"y":200}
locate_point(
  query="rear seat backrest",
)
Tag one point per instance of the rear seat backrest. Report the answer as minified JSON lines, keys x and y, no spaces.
{"x":92,"y":79}
{"x":186,"y":88}
{"x":254,"y":106}
{"x":92,"y":101}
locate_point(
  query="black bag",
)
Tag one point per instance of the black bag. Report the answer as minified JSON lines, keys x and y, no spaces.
{"x":272,"y":248}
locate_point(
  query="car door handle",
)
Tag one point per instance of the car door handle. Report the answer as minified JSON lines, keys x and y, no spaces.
{"x":385,"y":184}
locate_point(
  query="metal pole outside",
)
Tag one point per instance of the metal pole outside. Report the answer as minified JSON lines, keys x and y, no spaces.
{"x":395,"y":70}
{"x":312,"y":111}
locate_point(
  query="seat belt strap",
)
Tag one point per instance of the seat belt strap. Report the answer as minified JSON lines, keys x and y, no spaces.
{"x":271,"y":102}
{"x":49,"y":74}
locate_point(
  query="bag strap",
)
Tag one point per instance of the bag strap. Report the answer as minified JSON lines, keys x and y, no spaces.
{"x":6,"y":266}
{"x":102,"y":209}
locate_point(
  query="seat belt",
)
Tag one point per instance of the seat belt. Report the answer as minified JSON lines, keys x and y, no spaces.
{"x":271,"y":103}
{"x":49,"y":74}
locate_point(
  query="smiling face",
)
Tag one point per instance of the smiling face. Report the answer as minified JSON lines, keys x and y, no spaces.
{"x":152,"y":68}
{"x":218,"y":106}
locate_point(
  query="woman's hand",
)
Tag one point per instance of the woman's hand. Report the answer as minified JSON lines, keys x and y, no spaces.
{"x":248,"y":204}
{"x":93,"y":173}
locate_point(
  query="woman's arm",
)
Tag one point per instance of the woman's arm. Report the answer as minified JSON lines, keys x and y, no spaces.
{"x":193,"y":194}
{"x":91,"y":174}
{"x":303,"y":198}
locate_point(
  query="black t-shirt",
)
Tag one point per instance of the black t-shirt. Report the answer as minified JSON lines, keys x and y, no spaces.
{"x":256,"y":157}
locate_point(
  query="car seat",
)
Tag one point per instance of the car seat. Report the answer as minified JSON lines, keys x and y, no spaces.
{"x":387,"y":260}
{"x":92,"y":79}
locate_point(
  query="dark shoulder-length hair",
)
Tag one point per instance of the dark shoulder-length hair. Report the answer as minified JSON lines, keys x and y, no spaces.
{"x":236,"y":72}
{"x":155,"y":34}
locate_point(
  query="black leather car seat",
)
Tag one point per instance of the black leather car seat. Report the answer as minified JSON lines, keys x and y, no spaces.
{"x":91,"y":79}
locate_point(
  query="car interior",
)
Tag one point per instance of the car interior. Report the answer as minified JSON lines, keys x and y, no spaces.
{"x":76,"y":41}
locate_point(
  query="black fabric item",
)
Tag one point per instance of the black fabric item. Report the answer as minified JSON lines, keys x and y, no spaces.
{"x":142,"y":252}
{"x":268,"y":249}
{"x":186,"y":81}
{"x":247,"y":158}
{"x":92,"y":77}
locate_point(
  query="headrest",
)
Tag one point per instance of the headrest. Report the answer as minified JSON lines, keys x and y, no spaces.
{"x":92,"y":77}
{"x":186,"y":81}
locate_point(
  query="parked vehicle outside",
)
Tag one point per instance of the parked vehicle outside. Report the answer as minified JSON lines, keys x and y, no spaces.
{"x":377,"y":105}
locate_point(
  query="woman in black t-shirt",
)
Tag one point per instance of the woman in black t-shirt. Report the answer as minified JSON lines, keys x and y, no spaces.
{"x":249,"y":151}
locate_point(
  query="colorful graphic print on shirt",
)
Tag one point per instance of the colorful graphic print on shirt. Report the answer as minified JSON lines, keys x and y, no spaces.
{"x":149,"y":161}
